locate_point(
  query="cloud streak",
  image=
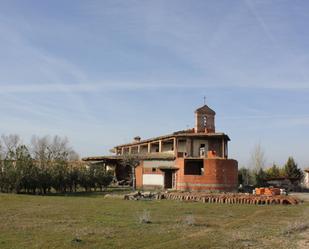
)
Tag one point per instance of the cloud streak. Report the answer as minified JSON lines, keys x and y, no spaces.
{"x":133,"y":57}
{"x":127,"y":86}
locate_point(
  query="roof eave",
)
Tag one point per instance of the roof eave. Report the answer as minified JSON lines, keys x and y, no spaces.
{"x":174,"y":135}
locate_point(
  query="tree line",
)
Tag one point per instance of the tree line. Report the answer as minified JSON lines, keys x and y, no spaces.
{"x":46,"y":165}
{"x":257,"y":174}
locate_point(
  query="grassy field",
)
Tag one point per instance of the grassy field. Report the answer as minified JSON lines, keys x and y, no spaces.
{"x":92,"y":221}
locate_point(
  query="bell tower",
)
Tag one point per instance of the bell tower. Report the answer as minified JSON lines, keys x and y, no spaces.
{"x":204,"y":120}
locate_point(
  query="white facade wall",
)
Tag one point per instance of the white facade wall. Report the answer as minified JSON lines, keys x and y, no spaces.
{"x":153,"y":179}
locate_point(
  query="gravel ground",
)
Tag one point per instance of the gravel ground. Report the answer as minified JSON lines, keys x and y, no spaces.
{"x":302,"y":196}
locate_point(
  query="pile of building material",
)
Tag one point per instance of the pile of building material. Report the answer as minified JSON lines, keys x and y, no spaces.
{"x":227,"y":198}
{"x":232,"y":198}
{"x":135,"y":196}
{"x":267,"y":191}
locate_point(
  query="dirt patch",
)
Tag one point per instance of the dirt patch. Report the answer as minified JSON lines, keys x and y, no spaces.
{"x":303,"y":243}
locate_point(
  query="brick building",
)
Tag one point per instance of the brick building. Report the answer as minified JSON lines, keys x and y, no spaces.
{"x":193,"y":159}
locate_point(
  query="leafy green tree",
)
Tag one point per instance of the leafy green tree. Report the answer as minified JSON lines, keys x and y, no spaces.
{"x":29,"y":181}
{"x":291,"y":169}
{"x":86,"y":178}
{"x":59,"y":173}
{"x":7,"y":176}
{"x":45,"y":166}
{"x":44,"y":179}
{"x":23,"y":163}
{"x":73,"y":178}
{"x":272,"y":172}
{"x":102,"y":177}
{"x":52,"y":157}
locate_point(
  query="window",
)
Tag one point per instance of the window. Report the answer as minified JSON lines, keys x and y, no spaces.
{"x":194,"y":167}
{"x":154,"y":170}
{"x":202,"y":150}
{"x":204,"y":121}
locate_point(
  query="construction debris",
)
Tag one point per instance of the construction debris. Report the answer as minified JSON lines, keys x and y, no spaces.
{"x":233,"y":198}
{"x":227,"y":198}
{"x":140,"y":196}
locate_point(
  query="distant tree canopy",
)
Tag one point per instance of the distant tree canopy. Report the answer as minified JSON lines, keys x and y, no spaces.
{"x":252,"y":176}
{"x":274,"y":171}
{"x":45,"y":165}
{"x":291,"y":169}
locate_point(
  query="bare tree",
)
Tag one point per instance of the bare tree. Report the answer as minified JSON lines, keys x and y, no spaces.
{"x":10,"y":144}
{"x":258,"y":159}
{"x":258,"y":162}
{"x":40,"y":148}
{"x":52,"y":155}
{"x":60,"y":149}
{"x":45,"y":167}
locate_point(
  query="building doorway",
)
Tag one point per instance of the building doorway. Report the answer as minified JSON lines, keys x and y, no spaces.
{"x":169,"y":179}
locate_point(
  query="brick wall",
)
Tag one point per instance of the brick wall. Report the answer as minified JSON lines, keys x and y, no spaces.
{"x":139,"y":175}
{"x":219,"y":174}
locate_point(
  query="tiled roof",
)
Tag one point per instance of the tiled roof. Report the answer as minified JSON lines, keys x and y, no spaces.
{"x":205,"y":109}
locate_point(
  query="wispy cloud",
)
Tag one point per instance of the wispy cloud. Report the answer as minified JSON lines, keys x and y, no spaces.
{"x":129,"y":86}
{"x":129,"y":55}
{"x":223,"y":55}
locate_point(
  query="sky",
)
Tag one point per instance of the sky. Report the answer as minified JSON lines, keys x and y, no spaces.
{"x":102,"y":72}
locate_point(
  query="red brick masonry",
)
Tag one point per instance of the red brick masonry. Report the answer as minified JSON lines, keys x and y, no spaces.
{"x":219,"y":174}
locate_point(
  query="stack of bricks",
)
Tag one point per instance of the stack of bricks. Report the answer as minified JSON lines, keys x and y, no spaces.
{"x":231,"y":198}
{"x":267,"y":191}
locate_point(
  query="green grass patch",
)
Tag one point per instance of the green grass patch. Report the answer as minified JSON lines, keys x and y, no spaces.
{"x":92,"y":221}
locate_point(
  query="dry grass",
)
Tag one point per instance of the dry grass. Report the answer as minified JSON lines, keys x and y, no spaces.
{"x":189,"y":220}
{"x":296,"y":227}
{"x":144,"y":217}
{"x":97,"y":222}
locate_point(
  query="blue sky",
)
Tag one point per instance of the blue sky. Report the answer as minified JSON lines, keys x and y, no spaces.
{"x":102,"y":72}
